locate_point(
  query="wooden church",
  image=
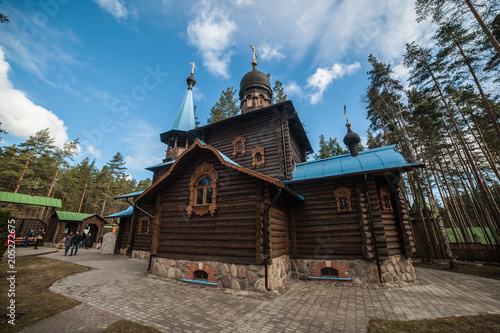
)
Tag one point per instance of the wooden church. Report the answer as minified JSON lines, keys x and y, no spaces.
{"x":236,"y":204}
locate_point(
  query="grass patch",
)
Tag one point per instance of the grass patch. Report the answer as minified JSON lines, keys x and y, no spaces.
{"x":34,"y":300}
{"x":465,"y":324}
{"x":127,"y":326}
{"x":487,"y":271}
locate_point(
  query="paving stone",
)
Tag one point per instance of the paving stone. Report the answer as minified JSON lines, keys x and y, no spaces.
{"x":122,"y":286}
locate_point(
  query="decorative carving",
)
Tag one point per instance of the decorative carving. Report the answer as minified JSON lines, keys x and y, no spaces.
{"x":343,"y":197}
{"x":293,"y":162}
{"x":239,"y":145}
{"x":203,"y":188}
{"x":385,"y":199}
{"x":258,"y":157}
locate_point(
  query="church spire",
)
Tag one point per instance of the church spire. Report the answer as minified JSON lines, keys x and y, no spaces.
{"x":184,"y":121}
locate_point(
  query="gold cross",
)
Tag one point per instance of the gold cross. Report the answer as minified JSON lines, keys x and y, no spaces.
{"x":192,"y":68}
{"x":345,"y":113}
{"x":254,"y":53}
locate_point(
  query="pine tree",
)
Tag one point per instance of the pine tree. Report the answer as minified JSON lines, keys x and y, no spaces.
{"x":225,"y":107}
{"x":3,"y":18}
{"x":278,"y":93}
{"x":329,"y":148}
{"x":116,"y":168}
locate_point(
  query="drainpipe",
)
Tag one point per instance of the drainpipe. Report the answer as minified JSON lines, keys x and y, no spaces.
{"x":370,"y":217}
{"x":285,"y":162}
{"x":264,"y":219}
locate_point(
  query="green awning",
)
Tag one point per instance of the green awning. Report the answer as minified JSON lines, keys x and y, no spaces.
{"x":29,"y":200}
{"x":71,"y":216}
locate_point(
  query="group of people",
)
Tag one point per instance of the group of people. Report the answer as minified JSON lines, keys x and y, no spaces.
{"x":73,"y":240}
{"x":31,"y":234}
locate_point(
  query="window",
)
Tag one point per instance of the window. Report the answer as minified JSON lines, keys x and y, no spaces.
{"x":261,"y":100}
{"x":144,"y":226}
{"x":343,"y":197}
{"x":249,"y":101}
{"x":203,"y":188}
{"x":204,"y":191}
{"x":329,"y":272}
{"x":200,"y":275}
{"x":239,"y":146}
{"x":258,"y":157}
{"x":293,"y":162}
{"x":385,"y":199}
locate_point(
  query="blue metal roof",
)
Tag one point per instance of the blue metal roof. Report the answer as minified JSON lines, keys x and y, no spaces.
{"x":185,"y":116}
{"x":368,"y":160}
{"x":123,"y":213}
{"x":151,"y":168}
{"x":133,"y":194}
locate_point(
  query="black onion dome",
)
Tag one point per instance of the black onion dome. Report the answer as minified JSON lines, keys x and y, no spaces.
{"x":351,"y":140}
{"x":191,"y":81}
{"x":255,"y":79}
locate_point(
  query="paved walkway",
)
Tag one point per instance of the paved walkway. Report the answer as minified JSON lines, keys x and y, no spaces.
{"x":120,"y":288}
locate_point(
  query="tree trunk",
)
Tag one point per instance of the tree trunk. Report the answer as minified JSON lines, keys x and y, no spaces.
{"x":485,"y":28}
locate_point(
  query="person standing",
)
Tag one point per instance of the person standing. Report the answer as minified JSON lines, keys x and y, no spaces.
{"x":84,"y":237}
{"x":76,"y":240}
{"x":27,"y":239}
{"x":68,"y":241}
{"x":39,"y":237}
{"x":88,"y":242}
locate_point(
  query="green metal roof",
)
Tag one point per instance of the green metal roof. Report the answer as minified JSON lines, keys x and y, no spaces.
{"x":29,"y":200}
{"x":71,"y":216}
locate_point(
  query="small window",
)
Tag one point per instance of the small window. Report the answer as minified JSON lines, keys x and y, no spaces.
{"x":239,"y":146}
{"x":261,"y":100}
{"x":329,"y":272}
{"x":258,"y":157}
{"x":385,"y":199}
{"x":249,"y":101}
{"x":343,"y":197}
{"x":144,"y":226}
{"x":200,"y":275}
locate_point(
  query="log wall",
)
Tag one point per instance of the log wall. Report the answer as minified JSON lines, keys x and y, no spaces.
{"x":229,"y":236}
{"x":141,"y":241}
{"x":320,"y":231}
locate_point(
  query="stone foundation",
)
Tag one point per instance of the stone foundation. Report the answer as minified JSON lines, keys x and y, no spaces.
{"x":139,"y":254}
{"x":396,"y":268}
{"x":234,"y":276}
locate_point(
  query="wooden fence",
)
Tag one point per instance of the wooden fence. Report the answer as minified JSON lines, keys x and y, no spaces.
{"x":476,"y":252}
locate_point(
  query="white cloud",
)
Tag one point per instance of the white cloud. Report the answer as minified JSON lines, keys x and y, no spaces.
{"x":211,"y":32}
{"x":20,"y":116}
{"x":143,"y":144}
{"x":92,"y":150}
{"x":323,"y":77}
{"x":114,"y":7}
{"x":197,"y":94}
{"x":292,"y":89}
{"x":269,"y":53}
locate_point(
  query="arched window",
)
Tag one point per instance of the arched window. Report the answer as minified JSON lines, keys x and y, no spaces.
{"x":203,"y":188}
{"x":258,"y":157}
{"x":343,"y":197}
{"x":261,"y":100}
{"x":249,"y":101}
{"x":239,"y":145}
{"x":329,"y":272}
{"x":200,"y":275}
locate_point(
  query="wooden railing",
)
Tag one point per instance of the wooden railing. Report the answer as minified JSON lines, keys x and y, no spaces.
{"x":476,"y":252}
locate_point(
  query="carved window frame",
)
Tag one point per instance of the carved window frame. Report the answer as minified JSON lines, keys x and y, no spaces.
{"x":343,"y":197}
{"x":236,"y":150}
{"x":293,"y":161}
{"x":201,"y":171}
{"x":143,"y":224}
{"x":385,"y":199}
{"x":255,"y":153}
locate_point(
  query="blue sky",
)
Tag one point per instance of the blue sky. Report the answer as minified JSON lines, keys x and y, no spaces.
{"x":112,"y":72}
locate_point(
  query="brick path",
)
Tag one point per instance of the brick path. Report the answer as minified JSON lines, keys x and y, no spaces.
{"x":119,"y":288}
